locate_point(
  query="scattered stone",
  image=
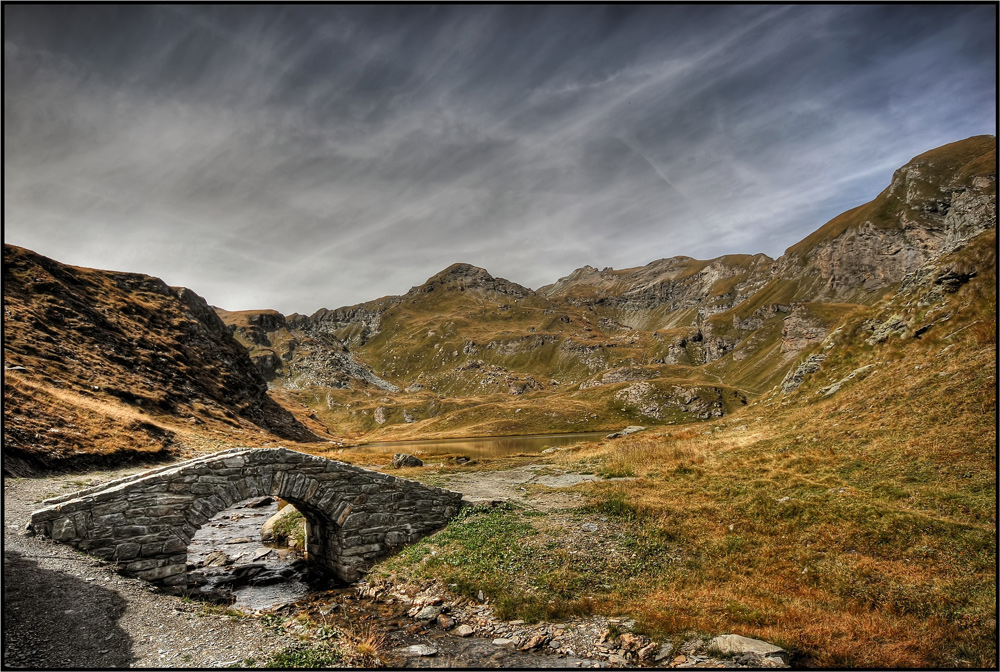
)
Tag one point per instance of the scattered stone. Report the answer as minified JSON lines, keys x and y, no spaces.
{"x":666,"y":650}
{"x":404,"y":460}
{"x":535,"y":642}
{"x":464,"y":630}
{"x":646,"y":652}
{"x":445,"y":622}
{"x":631,"y":429}
{"x":428,"y":613}
{"x":502,"y":641}
{"x":588,"y":527}
{"x":631,"y":642}
{"x":729,"y":645}
{"x":418,"y":651}
{"x":758,"y":661}
{"x":859,"y":373}
{"x":239,"y":540}
{"x":260,"y":553}
{"x":217,"y":559}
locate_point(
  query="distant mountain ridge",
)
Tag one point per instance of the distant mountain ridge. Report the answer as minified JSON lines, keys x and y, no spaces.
{"x":711,"y":323}
{"x":100,"y":364}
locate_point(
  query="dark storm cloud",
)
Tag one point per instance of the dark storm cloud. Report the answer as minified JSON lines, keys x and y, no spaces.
{"x":307,"y":156}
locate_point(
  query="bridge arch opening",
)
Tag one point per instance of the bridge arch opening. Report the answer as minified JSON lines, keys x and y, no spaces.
{"x":229,"y":561}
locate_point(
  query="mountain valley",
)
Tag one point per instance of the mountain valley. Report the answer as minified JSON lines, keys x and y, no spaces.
{"x":817,"y":468}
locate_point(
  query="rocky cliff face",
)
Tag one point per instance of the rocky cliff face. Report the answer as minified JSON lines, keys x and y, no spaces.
{"x":935,"y":202}
{"x":676,"y":283}
{"x":297,"y":352}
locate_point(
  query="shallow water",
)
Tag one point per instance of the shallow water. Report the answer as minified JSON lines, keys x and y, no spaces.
{"x":236,"y":532}
{"x":487,"y":446}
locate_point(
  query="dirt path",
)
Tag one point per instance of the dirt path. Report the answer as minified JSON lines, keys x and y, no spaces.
{"x":62,"y":608}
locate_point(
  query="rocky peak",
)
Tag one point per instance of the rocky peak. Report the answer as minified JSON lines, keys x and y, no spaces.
{"x":461,"y":277}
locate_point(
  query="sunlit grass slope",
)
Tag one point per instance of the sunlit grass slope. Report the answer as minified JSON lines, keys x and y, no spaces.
{"x":852,"y":524}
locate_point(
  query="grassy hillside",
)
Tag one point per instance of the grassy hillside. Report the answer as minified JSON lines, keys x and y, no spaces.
{"x":851,"y":521}
{"x":102,"y":366}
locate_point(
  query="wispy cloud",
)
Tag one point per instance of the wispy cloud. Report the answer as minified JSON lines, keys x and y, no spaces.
{"x":316,"y":156}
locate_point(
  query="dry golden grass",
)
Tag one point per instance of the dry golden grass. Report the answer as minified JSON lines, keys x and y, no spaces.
{"x":855,"y":529}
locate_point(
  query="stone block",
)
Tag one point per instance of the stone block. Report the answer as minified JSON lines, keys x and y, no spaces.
{"x":175,"y":580}
{"x":161,"y":572}
{"x":364,"y":549}
{"x":170,"y":521}
{"x":242,"y":488}
{"x":142,"y":565}
{"x":380,"y":519}
{"x":172,"y":499}
{"x":64,"y":529}
{"x":215,"y":502}
{"x":195,"y":519}
{"x":235,"y":461}
{"x":100,"y":542}
{"x":72,"y":506}
{"x":297,"y":487}
{"x":151,"y":550}
{"x":355,"y":521}
{"x":344,"y":510}
{"x":311,"y":489}
{"x":214,"y":478}
{"x":253,"y":486}
{"x":174,"y":546}
{"x":328,"y":498}
{"x":109,"y":519}
{"x":109,"y":508}
{"x":127,"y":551}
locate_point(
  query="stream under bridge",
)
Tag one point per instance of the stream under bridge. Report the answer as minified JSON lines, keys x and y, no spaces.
{"x":145,"y":522}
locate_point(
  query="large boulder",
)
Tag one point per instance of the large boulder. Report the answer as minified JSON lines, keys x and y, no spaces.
{"x":278,"y":527}
{"x":732,"y":645}
{"x":405,"y":460}
{"x":631,"y":429}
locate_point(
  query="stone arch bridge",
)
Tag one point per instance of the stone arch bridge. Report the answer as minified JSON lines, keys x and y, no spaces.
{"x":144,"y":522}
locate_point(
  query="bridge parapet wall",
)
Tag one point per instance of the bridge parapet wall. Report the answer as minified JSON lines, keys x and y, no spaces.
{"x":145,"y":522}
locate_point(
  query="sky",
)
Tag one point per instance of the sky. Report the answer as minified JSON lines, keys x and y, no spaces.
{"x":315,"y":156}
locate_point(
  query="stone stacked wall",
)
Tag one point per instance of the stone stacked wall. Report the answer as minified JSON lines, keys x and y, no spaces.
{"x":145,"y":522}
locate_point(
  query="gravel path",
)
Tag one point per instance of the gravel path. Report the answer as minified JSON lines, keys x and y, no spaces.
{"x":62,"y":608}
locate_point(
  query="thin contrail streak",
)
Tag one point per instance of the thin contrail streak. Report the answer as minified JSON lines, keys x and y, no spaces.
{"x":670,"y":184}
